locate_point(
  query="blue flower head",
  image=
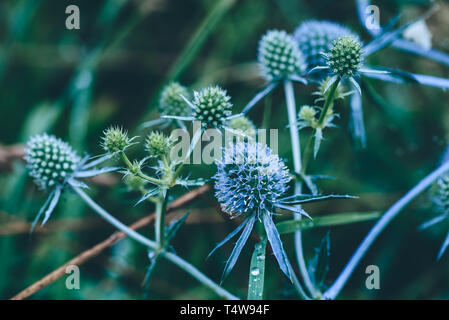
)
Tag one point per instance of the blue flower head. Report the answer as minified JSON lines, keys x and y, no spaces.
{"x":279,"y":56}
{"x":249,"y":178}
{"x":54,"y":165}
{"x":50,"y":161}
{"x":314,"y":37}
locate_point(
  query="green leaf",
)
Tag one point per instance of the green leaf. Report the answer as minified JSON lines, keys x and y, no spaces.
{"x":174,"y":227}
{"x":257,"y":271}
{"x":326,"y":221}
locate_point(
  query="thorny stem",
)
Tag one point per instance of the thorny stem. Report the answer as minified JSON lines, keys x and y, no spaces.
{"x":329,"y":100}
{"x":181,"y":263}
{"x":389,"y":215}
{"x":159,"y":225}
{"x":328,"y":105}
{"x":296,"y":150}
{"x":140,"y":174}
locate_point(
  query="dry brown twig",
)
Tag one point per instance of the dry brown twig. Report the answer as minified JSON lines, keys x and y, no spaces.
{"x":111,"y":240}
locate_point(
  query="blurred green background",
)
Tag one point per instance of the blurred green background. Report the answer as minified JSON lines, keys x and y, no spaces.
{"x":75,"y":83}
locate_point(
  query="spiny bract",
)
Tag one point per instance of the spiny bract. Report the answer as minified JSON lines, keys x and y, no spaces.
{"x":171,"y":103}
{"x":211,"y":106}
{"x":50,"y":160}
{"x":315,"y":37}
{"x":345,"y":56}
{"x":249,"y":178}
{"x":279,"y":56}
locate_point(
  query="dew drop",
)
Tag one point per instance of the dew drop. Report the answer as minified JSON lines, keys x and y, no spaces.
{"x":255,"y":272}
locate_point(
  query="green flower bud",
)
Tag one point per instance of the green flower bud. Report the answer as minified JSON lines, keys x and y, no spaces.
{"x":279,"y":56}
{"x":345,"y":56}
{"x":115,"y":139}
{"x":212,"y":107}
{"x":171,"y":103}
{"x":157,"y":144}
{"x":307,"y":114}
{"x":242,"y":125}
{"x":50,"y":161}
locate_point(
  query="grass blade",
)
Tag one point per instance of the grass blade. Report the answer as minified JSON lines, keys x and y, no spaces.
{"x":326,"y":221}
{"x":257,"y":271}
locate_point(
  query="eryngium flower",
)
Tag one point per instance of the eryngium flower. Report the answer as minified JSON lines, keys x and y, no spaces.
{"x":315,"y":37}
{"x":345,"y":56}
{"x":211,"y":106}
{"x":249,"y":178}
{"x":279,"y":56}
{"x":50,"y":160}
{"x":171,"y":102}
{"x":115,"y":139}
{"x":157,"y":144}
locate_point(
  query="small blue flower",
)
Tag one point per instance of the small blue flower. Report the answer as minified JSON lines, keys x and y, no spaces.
{"x":249,"y":179}
{"x":314,"y":37}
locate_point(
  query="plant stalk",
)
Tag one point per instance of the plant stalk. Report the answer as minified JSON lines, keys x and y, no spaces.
{"x":296,"y":150}
{"x":181,"y":263}
{"x":389,"y":215}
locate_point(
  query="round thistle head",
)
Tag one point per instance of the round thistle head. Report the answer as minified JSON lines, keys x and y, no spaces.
{"x":50,"y":160}
{"x":279,"y":56}
{"x":157,"y":144}
{"x":307,"y":114}
{"x":115,"y":139}
{"x":315,"y":37}
{"x":345,"y":56}
{"x":171,"y":103}
{"x":244,"y":125}
{"x":249,"y":178}
{"x":212,"y":107}
{"x":441,"y":197}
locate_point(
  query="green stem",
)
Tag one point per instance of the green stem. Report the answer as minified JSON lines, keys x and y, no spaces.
{"x":159,"y":226}
{"x":296,"y":150}
{"x":391,"y":213}
{"x":140,"y":174}
{"x":181,"y":263}
{"x":329,"y":101}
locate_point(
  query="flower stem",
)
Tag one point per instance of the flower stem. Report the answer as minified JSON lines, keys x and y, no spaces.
{"x":159,"y":225}
{"x":190,"y":269}
{"x":329,"y":101}
{"x":140,"y":174}
{"x":296,"y":150}
{"x":391,"y":213}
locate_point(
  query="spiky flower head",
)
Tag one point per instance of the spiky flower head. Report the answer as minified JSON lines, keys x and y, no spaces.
{"x":211,"y":106}
{"x":279,"y":56}
{"x":345,"y":56}
{"x":307,"y":116}
{"x":115,"y":139}
{"x":249,"y":178}
{"x":315,"y":37}
{"x":50,"y":160}
{"x":158,"y":144}
{"x":244,"y":126}
{"x":171,"y":102}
